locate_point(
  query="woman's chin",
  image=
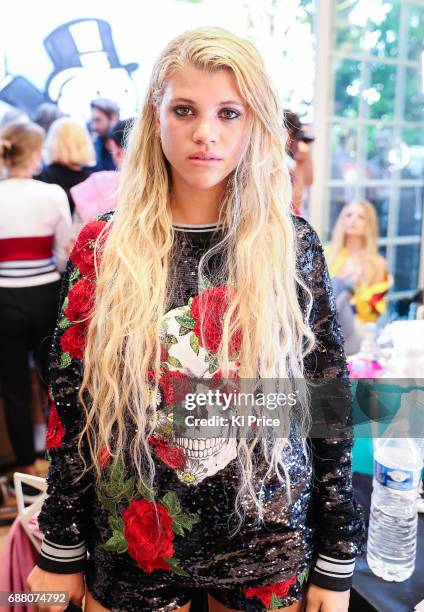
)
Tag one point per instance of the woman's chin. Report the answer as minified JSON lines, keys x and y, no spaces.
{"x":204,"y":184}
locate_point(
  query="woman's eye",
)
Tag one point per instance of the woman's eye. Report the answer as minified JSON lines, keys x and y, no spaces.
{"x":182,"y":111}
{"x":230,"y":114}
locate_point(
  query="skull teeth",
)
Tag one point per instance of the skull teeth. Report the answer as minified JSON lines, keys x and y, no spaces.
{"x":197,"y":449}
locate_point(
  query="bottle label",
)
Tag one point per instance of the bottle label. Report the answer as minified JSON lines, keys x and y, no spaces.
{"x":395,"y":478}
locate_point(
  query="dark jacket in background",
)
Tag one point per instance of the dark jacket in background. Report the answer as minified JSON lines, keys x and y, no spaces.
{"x":58,"y":174}
{"x":103,"y":156}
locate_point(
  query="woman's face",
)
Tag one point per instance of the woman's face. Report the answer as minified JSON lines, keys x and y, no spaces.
{"x":355,"y":220}
{"x":202,"y":121}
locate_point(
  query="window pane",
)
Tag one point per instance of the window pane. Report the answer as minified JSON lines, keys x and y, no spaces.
{"x":385,"y":32}
{"x":343,"y":153}
{"x":410,"y":211}
{"x":348,"y":33}
{"x":370,"y":27}
{"x":379,"y":197}
{"x":407,"y":261}
{"x":380,"y":142}
{"x":415,"y":31}
{"x":338,"y":198}
{"x":346,"y":90}
{"x":414,"y":98}
{"x":380,"y":96}
{"x":413,"y":139}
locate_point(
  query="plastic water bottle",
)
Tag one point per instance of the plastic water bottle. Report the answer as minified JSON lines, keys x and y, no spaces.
{"x":392,"y":533}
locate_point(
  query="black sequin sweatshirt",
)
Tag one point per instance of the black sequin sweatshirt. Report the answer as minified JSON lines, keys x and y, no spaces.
{"x":107,"y":532}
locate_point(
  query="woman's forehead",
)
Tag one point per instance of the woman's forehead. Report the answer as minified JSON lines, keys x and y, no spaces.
{"x":191,"y":84}
{"x":355,"y":207}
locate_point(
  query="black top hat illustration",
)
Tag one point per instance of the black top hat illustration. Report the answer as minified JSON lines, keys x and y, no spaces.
{"x":73,"y":44}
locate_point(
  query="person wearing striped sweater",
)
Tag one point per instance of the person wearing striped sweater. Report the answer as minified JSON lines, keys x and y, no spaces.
{"x":35,"y":229}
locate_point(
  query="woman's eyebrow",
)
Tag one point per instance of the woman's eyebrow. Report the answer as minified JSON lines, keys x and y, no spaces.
{"x":188,"y":101}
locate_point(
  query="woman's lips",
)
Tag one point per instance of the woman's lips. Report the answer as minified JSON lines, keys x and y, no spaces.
{"x":204,"y":162}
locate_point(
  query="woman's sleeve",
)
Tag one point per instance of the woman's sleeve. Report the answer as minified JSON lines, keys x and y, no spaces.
{"x":340,"y":519}
{"x":65,"y":515}
{"x":63,"y":229}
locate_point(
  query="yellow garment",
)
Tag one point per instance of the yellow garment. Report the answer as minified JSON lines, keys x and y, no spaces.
{"x":369,"y":300}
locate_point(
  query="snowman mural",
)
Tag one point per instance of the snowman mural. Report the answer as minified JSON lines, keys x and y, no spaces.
{"x":85,"y":66}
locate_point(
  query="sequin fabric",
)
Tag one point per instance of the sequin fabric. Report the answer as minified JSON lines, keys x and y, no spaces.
{"x":322,"y":515}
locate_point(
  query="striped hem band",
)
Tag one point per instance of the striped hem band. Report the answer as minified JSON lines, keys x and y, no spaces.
{"x":336,"y":568}
{"x":65,"y":554}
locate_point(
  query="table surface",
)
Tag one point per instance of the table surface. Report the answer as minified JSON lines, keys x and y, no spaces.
{"x":374,"y":592}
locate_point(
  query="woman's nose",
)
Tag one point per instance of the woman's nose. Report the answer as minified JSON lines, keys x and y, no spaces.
{"x":205,"y":133}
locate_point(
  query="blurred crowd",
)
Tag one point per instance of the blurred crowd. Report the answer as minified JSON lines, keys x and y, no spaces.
{"x":56,"y":173}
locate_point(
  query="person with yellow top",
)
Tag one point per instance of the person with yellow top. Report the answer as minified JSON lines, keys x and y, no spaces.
{"x":353,"y":257}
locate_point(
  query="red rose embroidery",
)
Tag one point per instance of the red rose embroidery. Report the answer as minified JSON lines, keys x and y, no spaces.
{"x":82,"y":255}
{"x":215,"y":303}
{"x":104,"y":457}
{"x":149,"y":540}
{"x":172,"y":456}
{"x":175,"y":386}
{"x":280,"y":589}
{"x":55,"y":429}
{"x":73,"y":340}
{"x":80,"y":301}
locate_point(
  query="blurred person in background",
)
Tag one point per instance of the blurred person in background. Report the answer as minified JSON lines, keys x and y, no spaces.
{"x":45,"y":114}
{"x":70,"y":154}
{"x":13,"y":115}
{"x":35,"y":228}
{"x":354,"y":259}
{"x":104,"y":115}
{"x":351,"y":334}
{"x":98,"y":193}
{"x":299,"y":160}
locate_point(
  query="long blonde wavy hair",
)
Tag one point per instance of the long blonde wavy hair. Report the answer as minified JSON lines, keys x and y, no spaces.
{"x":370,"y":237}
{"x":132,"y":285}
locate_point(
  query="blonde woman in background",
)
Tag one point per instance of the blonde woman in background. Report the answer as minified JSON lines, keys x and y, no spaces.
{"x":353,"y":257}
{"x":70,"y":155}
{"x":202,"y":272}
{"x":35,"y":229}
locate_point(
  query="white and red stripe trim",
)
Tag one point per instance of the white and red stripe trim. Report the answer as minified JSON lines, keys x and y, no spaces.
{"x":26,"y":247}
{"x":35,"y":229}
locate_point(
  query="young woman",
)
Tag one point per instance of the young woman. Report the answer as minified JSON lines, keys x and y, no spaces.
{"x":70,"y":154}
{"x":35,"y":229}
{"x":353,"y":257}
{"x":201,"y":272}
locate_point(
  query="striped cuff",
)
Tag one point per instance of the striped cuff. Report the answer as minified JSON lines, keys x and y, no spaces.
{"x":62,"y":559}
{"x":333,"y":574}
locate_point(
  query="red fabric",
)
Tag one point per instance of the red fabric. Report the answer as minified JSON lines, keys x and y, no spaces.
{"x":216,"y":303}
{"x":28,"y":247}
{"x":149,"y":544}
{"x":17,"y":560}
{"x":265,"y":593}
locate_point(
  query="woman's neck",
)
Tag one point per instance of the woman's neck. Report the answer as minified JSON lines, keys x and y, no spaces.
{"x":20,"y":173}
{"x":74,"y":166}
{"x":354,"y":244}
{"x":195,"y":206}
